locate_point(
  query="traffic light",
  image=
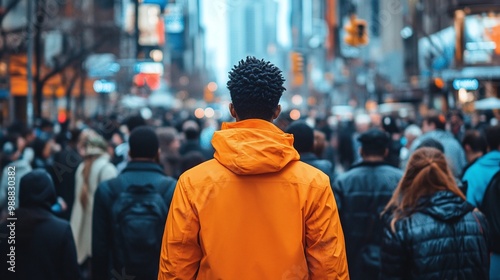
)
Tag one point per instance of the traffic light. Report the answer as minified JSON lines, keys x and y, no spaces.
{"x":297,"y":65}
{"x":356,"y":32}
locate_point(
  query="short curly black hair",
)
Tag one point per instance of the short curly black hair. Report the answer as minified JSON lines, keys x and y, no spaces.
{"x":256,"y":87}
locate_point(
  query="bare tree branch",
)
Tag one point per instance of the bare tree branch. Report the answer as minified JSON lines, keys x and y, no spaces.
{"x":79,"y":55}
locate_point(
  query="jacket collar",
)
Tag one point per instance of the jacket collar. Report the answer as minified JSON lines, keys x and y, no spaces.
{"x":135,"y":166}
{"x":369,"y":164}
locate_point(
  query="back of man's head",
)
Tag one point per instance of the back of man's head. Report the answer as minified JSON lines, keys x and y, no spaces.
{"x":303,"y":136}
{"x":143,"y":143}
{"x":256,"y":87}
{"x":437,"y":120}
{"x":493,"y":137}
{"x":134,"y":121}
{"x":475,"y":141}
{"x":374,"y":142}
{"x":431,"y":143}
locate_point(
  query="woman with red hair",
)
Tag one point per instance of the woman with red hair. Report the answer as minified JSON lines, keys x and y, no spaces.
{"x":431,"y":231}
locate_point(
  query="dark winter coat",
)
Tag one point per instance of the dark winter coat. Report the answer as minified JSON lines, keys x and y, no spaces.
{"x":322,"y":164}
{"x":136,"y":173}
{"x":361,"y":194}
{"x":444,"y":239}
{"x":43,"y":244}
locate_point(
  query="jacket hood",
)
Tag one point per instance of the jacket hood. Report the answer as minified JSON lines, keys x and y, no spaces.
{"x":445,"y":206}
{"x":490,"y":160}
{"x":253,"y":146}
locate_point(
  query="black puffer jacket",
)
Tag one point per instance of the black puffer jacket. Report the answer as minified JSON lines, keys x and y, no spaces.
{"x":444,"y":239}
{"x":361,"y":195}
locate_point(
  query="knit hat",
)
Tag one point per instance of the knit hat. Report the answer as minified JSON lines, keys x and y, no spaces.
{"x":303,"y":136}
{"x":36,"y":189}
{"x":143,"y":143}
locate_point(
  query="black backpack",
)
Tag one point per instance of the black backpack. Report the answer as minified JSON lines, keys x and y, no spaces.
{"x":491,"y":209}
{"x":138,"y":215}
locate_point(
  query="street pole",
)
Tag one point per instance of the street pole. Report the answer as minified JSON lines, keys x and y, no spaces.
{"x":29,"y":104}
{"x":136,"y":28}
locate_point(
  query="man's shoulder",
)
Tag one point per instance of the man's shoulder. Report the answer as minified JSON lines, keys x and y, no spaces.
{"x":382,"y":170}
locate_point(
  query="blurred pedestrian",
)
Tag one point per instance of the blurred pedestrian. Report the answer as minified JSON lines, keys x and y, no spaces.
{"x":43,"y":245}
{"x":390,"y":125}
{"x":95,"y":168}
{"x":361,"y":194}
{"x":362,"y":122}
{"x":170,"y":143}
{"x":303,"y":142}
{"x":63,"y":171}
{"x":475,"y":146}
{"x":191,"y":141}
{"x":431,"y":231}
{"x":456,"y":123}
{"x":130,"y":213}
{"x":43,"y":149}
{"x":434,"y":126}
{"x":12,"y":150}
{"x":121,"y":151}
{"x":478,"y":176}
{"x":255,"y":211}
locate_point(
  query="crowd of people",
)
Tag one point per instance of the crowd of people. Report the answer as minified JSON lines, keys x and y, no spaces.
{"x":263,"y":197}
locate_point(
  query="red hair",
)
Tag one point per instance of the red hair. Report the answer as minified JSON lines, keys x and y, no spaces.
{"x":427,"y":172}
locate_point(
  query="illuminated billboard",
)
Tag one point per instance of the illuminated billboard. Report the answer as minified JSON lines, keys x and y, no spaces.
{"x":482,"y":39}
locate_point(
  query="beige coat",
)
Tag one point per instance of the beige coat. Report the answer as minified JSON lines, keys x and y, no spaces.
{"x":81,"y":219}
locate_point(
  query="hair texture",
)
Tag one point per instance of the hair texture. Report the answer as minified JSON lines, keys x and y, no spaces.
{"x":427,"y":172}
{"x":475,"y":140}
{"x":319,"y":143}
{"x":303,"y":136}
{"x":134,"y":121}
{"x":437,"y":119}
{"x":431,"y":143}
{"x":256,"y":87}
{"x":493,"y":137}
{"x":143,"y":143}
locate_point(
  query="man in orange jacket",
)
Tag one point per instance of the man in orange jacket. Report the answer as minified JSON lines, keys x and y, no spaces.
{"x":254,"y":211}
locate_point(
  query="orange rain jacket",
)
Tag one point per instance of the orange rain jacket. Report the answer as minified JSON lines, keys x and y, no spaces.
{"x":253,"y":212}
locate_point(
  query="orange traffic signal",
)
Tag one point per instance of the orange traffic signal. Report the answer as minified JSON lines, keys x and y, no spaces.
{"x":356,"y":32}
{"x":297,"y":67}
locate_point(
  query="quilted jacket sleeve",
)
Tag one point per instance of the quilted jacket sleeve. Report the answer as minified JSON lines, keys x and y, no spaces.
{"x":393,"y":257}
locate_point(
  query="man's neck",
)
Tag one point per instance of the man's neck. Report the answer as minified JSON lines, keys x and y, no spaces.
{"x":473,"y":156}
{"x":145,"y":160}
{"x":373,"y":159}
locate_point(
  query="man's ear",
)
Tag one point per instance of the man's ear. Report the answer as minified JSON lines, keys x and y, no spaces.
{"x":277,"y":112}
{"x":157,"y":158}
{"x":467,"y":148}
{"x":386,"y":152}
{"x":232,"y":111}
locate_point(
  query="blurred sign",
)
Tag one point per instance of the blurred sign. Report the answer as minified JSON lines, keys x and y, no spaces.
{"x":467,"y":84}
{"x":104,"y":86}
{"x":149,"y":68}
{"x":101,"y":65}
{"x":161,"y":3}
{"x":482,"y":39}
{"x":152,"y":29}
{"x":174,"y":19}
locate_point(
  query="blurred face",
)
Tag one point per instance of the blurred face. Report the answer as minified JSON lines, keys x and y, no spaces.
{"x":47,"y":150}
{"x":426,"y":127}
